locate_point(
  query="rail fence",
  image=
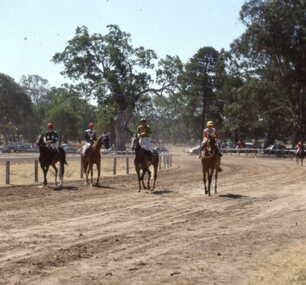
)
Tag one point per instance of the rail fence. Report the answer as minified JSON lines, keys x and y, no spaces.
{"x":258,"y":152}
{"x":116,"y":164}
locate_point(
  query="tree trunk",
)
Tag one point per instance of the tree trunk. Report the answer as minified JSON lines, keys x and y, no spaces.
{"x":122,"y":132}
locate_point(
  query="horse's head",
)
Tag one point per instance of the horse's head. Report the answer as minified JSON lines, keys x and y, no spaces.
{"x":40,"y":140}
{"x":134,"y":142}
{"x":211,"y":144}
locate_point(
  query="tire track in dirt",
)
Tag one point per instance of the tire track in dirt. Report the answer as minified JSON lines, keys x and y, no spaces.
{"x":118,"y":235}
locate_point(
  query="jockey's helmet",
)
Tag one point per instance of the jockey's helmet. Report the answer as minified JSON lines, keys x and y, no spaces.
{"x":210,"y":124}
{"x":91,"y":125}
{"x":50,"y":126}
{"x":143,"y":120}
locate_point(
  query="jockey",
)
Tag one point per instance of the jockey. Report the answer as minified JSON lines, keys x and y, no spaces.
{"x":209,"y":131}
{"x":90,"y":137}
{"x":299,"y":146}
{"x":144,"y":132}
{"x":51,"y":138}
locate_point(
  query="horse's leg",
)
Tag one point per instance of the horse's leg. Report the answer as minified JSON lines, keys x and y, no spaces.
{"x":45,"y":171}
{"x":142,"y":178}
{"x":91,"y":173}
{"x":204,"y":171}
{"x":98,"y":169}
{"x":149,"y":178}
{"x":85,"y":168}
{"x":210,"y":174}
{"x":62,"y":171}
{"x":155,"y":174}
{"x":138,"y":176}
{"x":216,"y":180}
{"x":56,"y":170}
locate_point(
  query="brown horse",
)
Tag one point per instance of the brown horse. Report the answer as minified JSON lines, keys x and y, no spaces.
{"x":211,"y":161}
{"x":92,"y":157}
{"x":143,"y":160}
{"x":299,"y":156}
{"x":49,"y":158}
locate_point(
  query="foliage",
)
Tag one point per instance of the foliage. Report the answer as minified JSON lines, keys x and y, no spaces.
{"x":15,"y":109}
{"x":112,"y":70}
{"x":273,"y":49}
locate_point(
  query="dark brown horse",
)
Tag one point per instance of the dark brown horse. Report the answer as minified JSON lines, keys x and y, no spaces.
{"x":211,"y":161}
{"x":49,"y":158}
{"x":299,"y":156}
{"x":92,"y":157}
{"x":143,"y":160}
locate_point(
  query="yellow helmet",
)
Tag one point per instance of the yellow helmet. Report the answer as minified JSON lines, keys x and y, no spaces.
{"x":210,"y":124}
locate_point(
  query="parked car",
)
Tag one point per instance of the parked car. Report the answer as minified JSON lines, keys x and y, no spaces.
{"x":277,"y":149}
{"x":228,"y":147}
{"x":4,"y":149}
{"x":70,"y":149}
{"x":194,"y":150}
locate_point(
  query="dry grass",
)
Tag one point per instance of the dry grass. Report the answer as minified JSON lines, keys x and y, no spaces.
{"x":22,"y":172}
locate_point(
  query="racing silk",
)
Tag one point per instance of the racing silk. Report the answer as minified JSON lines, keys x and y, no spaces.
{"x":90,"y":136}
{"x":210,"y":132}
{"x":144,"y":131}
{"x":299,"y":146}
{"x":51,"y":137}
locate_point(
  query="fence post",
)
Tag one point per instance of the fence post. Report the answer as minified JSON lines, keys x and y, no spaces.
{"x":164,"y":162}
{"x":127,"y":165}
{"x":7,"y":172}
{"x":170,"y":160}
{"x":81,"y":169}
{"x":160,"y":161}
{"x":35,"y":170}
{"x":115,"y":166}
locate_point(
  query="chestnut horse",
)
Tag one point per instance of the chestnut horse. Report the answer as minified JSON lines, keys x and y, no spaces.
{"x":143,"y":160}
{"x":49,"y":158}
{"x":211,"y":161}
{"x":92,"y":157}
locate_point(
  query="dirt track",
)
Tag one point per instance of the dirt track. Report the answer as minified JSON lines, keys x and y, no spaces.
{"x":252,"y":232}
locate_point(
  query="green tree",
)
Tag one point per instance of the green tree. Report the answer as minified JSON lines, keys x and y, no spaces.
{"x":15,"y":109}
{"x":273,"y":49}
{"x":36,"y":87}
{"x":112,"y":70}
{"x":198,"y":84}
{"x":69,"y":114}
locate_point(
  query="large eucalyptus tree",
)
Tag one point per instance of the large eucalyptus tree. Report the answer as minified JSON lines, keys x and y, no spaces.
{"x":273,"y":49}
{"x":112,"y":70}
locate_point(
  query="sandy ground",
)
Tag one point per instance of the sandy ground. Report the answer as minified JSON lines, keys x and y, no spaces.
{"x":252,"y":232}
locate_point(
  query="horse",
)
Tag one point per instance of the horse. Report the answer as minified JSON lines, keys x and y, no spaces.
{"x":48,"y":157}
{"x":299,"y":156}
{"x":92,"y":157}
{"x":211,"y":161}
{"x":143,"y":160}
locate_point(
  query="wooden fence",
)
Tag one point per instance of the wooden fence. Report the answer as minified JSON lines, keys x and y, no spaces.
{"x":165,"y":162}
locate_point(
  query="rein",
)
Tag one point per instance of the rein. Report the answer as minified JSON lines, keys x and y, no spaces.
{"x":211,"y":154}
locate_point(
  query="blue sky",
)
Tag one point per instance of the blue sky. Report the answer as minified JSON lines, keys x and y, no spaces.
{"x":32,"y":31}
